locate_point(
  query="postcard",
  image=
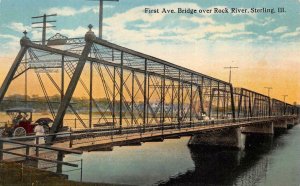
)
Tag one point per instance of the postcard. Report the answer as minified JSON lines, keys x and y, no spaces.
{"x":139,"y":92}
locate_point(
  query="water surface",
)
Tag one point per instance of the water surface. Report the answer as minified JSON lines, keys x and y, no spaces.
{"x":266,"y":160}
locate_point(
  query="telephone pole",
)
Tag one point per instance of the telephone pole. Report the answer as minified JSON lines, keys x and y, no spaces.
{"x":269,"y":89}
{"x":230,"y":67}
{"x":101,"y":15}
{"x":44,"y":27}
{"x":284,"y":96}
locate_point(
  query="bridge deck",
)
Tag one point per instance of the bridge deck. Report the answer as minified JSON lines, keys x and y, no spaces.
{"x":98,"y":142}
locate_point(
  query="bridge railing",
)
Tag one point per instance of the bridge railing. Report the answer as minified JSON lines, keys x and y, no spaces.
{"x":113,"y":134}
{"x":32,"y":148}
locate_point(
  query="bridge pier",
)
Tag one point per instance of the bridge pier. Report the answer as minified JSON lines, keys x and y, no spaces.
{"x":280,"y":126}
{"x":266,"y":128}
{"x":228,"y":138}
{"x":296,"y":121}
{"x":290,"y":123}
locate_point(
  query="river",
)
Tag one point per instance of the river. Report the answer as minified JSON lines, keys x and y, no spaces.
{"x":266,"y":161}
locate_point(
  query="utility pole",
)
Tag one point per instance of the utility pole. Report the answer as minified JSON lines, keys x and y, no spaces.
{"x":230,"y":67}
{"x":101,"y":15}
{"x":269,"y":88}
{"x":284,"y":96}
{"x":44,"y":27}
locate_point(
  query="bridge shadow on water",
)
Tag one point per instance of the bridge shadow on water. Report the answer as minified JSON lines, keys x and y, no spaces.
{"x":220,"y":166}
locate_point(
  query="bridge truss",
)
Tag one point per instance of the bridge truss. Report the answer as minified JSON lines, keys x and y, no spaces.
{"x":126,"y":88}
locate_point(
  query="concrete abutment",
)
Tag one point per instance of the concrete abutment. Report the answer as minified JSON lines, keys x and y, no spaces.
{"x":227,"y":138}
{"x":265,"y":128}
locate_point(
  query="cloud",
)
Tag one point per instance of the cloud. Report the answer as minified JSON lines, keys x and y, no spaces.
{"x":230,"y":35}
{"x":199,"y":20}
{"x":19,"y":27}
{"x":11,"y":46}
{"x":291,"y":34}
{"x":62,"y":11}
{"x":79,"y":31}
{"x":162,"y":27}
{"x":278,"y":30}
{"x":70,"y":11}
{"x":264,"y":37}
{"x":7,"y":36}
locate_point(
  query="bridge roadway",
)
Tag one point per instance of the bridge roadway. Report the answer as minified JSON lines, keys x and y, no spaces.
{"x":105,"y":139}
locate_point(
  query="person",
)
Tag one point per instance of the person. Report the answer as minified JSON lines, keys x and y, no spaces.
{"x":17,"y":119}
{"x":40,"y":131}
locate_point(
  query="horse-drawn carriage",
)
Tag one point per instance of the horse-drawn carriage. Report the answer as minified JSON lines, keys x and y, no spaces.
{"x":21,"y":123}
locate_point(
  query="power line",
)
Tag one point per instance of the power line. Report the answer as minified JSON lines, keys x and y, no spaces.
{"x":44,"y":27}
{"x":230,"y":67}
{"x":269,"y":89}
{"x":284,"y":96}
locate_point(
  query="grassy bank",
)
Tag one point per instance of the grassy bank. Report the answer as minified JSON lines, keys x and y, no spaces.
{"x":12,"y":174}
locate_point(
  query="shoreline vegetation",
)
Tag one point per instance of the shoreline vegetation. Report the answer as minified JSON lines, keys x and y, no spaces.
{"x":11,"y":174}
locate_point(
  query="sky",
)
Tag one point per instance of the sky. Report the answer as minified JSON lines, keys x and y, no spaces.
{"x":264,"y":46}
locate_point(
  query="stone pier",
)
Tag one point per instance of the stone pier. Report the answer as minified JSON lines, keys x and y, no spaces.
{"x":296,"y":121}
{"x":266,"y":128}
{"x":228,"y":138}
{"x":281,"y":124}
{"x":290,"y":123}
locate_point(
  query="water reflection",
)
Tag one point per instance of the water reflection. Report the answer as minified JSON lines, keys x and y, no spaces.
{"x":266,"y":160}
{"x":228,"y":167}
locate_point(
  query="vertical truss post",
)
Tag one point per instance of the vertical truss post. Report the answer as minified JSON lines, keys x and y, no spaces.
{"x":121,"y":90}
{"x":26,"y":79}
{"x":245,"y":108}
{"x":148,"y":101}
{"x":270,"y":107}
{"x":201,"y":102}
{"x":211,"y":96}
{"x":114,"y":99}
{"x":9,"y":77}
{"x":172,"y":102}
{"x":163,"y":96}
{"x":250,"y":104}
{"x":62,"y":77}
{"x":227,"y":102}
{"x":145,"y":97}
{"x":201,"y":97}
{"x":178,"y":106}
{"x":240,"y":102}
{"x":132,"y":97}
{"x":182,"y":101}
{"x":232,"y":102}
{"x":224,"y":101}
{"x":191,"y":99}
{"x":218,"y":100}
{"x":91,"y":95}
{"x":89,"y":38}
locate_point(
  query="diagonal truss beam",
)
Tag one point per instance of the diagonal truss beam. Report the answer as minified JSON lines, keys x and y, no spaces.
{"x":10,"y":76}
{"x":89,"y":37}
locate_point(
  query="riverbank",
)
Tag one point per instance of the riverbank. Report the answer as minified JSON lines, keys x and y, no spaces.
{"x":12,"y":174}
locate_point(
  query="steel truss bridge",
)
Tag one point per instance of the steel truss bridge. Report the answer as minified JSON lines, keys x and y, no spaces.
{"x":128,"y":89}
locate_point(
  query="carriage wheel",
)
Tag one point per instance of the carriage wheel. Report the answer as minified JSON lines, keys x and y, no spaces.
{"x":19,"y":131}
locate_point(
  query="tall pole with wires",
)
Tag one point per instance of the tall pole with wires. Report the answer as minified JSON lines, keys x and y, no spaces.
{"x":101,"y":16}
{"x":284,"y":96}
{"x":269,"y":89}
{"x":230,"y":67}
{"x":44,"y":25}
